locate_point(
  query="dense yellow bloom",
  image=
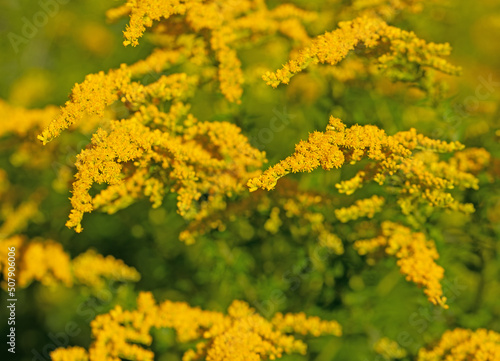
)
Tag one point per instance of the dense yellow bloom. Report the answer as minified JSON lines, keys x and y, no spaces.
{"x":471,"y":160}
{"x":22,"y":121}
{"x":46,"y":261}
{"x":464,"y":345}
{"x":70,"y":354}
{"x":91,"y":269}
{"x":241,"y":335}
{"x":100,"y":90}
{"x":405,"y":55}
{"x":229,"y":24}
{"x":361,"y":208}
{"x":157,"y":150}
{"x":416,"y":257}
{"x":211,"y":158}
{"x":407,"y":158}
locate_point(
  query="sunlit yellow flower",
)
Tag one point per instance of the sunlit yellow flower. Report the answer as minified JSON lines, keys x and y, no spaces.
{"x":416,"y":257}
{"x":409,"y":158}
{"x":242,"y":334}
{"x":464,"y":345}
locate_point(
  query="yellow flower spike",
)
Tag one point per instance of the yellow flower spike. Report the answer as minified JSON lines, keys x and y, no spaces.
{"x":46,"y":261}
{"x":91,"y":269}
{"x":22,"y":121}
{"x":100,"y":90}
{"x":404,"y":49}
{"x":70,"y":354}
{"x":142,"y":15}
{"x":361,"y":208}
{"x":415,"y":257}
{"x":228,"y":23}
{"x":211,"y":158}
{"x":464,"y":345}
{"x":407,"y":157}
{"x":241,"y":335}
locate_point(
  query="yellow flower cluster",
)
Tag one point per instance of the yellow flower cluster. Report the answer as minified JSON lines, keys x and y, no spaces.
{"x":240,"y":336}
{"x":361,"y":208}
{"x":471,"y":160}
{"x":211,"y":158}
{"x":98,"y":91}
{"x":408,"y":159}
{"x":91,"y":269}
{"x":69,"y":354}
{"x":389,"y":349}
{"x":229,"y":24}
{"x":21,"y":121}
{"x":416,"y":257}
{"x":404,"y":60}
{"x":46,"y":262}
{"x":464,"y":345}
{"x":160,"y":147}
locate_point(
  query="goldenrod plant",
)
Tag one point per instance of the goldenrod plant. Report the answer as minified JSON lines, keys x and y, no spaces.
{"x":267,"y":179}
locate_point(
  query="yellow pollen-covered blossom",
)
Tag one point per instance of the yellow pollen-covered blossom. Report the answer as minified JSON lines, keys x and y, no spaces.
{"x":70,"y":354}
{"x":361,"y":208}
{"x":100,"y":90}
{"x":228,"y":23}
{"x":91,"y":269}
{"x":407,"y":159}
{"x":404,"y":59}
{"x":211,"y":158}
{"x":415,"y":257}
{"x":464,"y":345}
{"x":471,"y":160}
{"x":241,"y":335}
{"x":22,"y":121}
{"x":47,"y":262}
